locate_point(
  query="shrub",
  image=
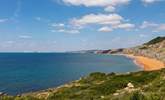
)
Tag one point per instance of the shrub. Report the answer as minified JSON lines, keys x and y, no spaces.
{"x":137,"y":96}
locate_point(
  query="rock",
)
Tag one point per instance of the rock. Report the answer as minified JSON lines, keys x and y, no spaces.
{"x":43,"y":95}
{"x":1,"y":93}
{"x":115,"y":94}
{"x":127,"y":88}
{"x":18,"y":95}
{"x":102,"y":97}
{"x":130,"y":85}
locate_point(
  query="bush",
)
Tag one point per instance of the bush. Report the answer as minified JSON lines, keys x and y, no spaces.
{"x":137,"y":96}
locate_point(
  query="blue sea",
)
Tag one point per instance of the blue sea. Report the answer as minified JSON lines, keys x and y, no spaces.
{"x":27,"y":72}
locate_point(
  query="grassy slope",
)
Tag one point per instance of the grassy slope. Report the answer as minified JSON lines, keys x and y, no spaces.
{"x":100,"y":86}
{"x":156,"y":40}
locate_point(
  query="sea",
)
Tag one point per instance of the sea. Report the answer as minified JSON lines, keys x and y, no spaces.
{"x":29,"y":72}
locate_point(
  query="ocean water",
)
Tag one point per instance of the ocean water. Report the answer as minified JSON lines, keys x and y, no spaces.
{"x":27,"y":72}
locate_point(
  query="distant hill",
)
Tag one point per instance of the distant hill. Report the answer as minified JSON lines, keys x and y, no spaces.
{"x":153,"y":49}
{"x":84,"y":51}
{"x":156,"y":40}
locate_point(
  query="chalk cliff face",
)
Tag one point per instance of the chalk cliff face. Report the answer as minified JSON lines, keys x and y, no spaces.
{"x":153,"y":49}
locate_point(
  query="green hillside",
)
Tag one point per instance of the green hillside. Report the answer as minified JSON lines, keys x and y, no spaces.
{"x":156,"y":40}
{"x":100,"y":86}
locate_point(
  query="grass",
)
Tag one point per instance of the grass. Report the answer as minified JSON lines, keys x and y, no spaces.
{"x":101,"y":86}
{"x":156,"y":40}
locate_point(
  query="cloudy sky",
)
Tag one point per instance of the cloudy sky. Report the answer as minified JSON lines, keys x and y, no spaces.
{"x":69,"y":25}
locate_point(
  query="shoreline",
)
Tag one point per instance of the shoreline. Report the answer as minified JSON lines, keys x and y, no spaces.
{"x":146,"y":63}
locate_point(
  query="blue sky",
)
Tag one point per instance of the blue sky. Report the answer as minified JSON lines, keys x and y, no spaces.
{"x":69,"y":25}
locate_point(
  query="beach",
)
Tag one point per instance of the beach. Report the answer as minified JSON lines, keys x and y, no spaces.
{"x":148,"y":64}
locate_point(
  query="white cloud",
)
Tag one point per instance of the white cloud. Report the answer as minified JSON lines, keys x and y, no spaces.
{"x":126,"y":26}
{"x":147,"y":24}
{"x":3,"y":20}
{"x":64,"y":28}
{"x":7,"y":43}
{"x":108,"y":5}
{"x":155,"y":27}
{"x":54,"y":42}
{"x":38,"y":18}
{"x":150,"y":1}
{"x":69,"y":31}
{"x":25,"y":37}
{"x":58,"y":25}
{"x":143,"y":35}
{"x":102,"y":3}
{"x":114,"y":21}
{"x":103,"y":19}
{"x":108,"y":22}
{"x":61,"y":30}
{"x":73,"y":31}
{"x":105,"y":29}
{"x":41,"y":19}
{"x":110,"y":9}
{"x":18,"y":8}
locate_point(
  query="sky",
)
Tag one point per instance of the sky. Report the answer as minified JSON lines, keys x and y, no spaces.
{"x":71,"y":25}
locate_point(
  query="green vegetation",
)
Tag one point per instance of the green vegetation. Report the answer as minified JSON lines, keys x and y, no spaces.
{"x":156,"y":40}
{"x":101,"y":86}
{"x":144,"y":47}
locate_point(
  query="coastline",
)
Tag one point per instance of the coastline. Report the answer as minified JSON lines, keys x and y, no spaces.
{"x":148,"y":64}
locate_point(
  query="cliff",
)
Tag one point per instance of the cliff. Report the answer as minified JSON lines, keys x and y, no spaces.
{"x":153,"y":49}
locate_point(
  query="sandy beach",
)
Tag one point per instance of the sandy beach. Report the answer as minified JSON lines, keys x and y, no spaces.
{"x":148,"y":64}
